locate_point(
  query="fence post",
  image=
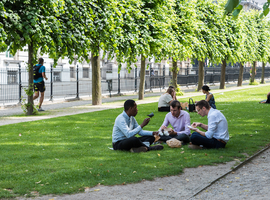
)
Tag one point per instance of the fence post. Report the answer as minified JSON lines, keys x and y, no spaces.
{"x":77,"y":93}
{"x":119,"y":83}
{"x":136,"y":79}
{"x":163,"y":76}
{"x":20,"y":84}
{"x":51,"y":95}
{"x":150,"y":77}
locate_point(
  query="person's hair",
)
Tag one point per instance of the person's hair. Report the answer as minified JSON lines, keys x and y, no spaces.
{"x":129,"y":104}
{"x":170,"y":91}
{"x":205,"y":88}
{"x":40,"y":60}
{"x":171,"y":86}
{"x":175,"y":103}
{"x":202,"y":104}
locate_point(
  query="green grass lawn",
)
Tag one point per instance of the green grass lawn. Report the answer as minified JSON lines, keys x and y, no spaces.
{"x":67,"y":154}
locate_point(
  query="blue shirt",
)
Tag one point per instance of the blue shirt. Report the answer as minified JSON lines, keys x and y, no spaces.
{"x":41,"y":70}
{"x":126,"y":127}
{"x":217,"y":125}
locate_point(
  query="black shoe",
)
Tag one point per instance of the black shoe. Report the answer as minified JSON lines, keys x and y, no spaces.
{"x":139,"y":149}
{"x":40,"y":110}
{"x":156,"y":147}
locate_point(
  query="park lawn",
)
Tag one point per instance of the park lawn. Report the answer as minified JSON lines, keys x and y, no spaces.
{"x":68,"y":154}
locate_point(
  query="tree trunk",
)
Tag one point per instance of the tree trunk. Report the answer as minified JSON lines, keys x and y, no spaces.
{"x":174,"y":74}
{"x":253,"y":72}
{"x":240,"y":76}
{"x":30,"y":102}
{"x":142,"y":78}
{"x":222,"y":75}
{"x":263,"y":68}
{"x":96,"y":79}
{"x":201,"y":75}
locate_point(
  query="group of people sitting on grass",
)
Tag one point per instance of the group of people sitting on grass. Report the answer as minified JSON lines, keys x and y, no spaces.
{"x":214,"y":134}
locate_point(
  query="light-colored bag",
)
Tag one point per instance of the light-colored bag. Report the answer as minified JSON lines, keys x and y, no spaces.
{"x":184,"y":106}
{"x":174,"y":143}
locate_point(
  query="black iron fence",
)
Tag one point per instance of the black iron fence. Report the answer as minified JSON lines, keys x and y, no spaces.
{"x":76,"y":82}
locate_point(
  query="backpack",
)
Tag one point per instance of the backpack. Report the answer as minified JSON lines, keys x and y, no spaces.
{"x":36,"y":71}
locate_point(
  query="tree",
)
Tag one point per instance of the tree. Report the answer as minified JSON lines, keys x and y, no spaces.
{"x":145,"y":32}
{"x":3,"y":35}
{"x":252,"y":55}
{"x":183,"y":29}
{"x":248,"y":44}
{"x":209,"y":42}
{"x":107,"y":17}
{"x":264,"y":43}
{"x":232,"y":43}
{"x":53,"y":27}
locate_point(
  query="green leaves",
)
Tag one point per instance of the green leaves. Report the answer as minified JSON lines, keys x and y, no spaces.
{"x":236,"y":11}
{"x":231,"y":5}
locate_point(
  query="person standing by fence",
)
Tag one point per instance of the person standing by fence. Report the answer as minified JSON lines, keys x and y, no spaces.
{"x":39,"y":85}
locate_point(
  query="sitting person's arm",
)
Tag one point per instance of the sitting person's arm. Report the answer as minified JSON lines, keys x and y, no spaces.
{"x":125,"y":129}
{"x":196,"y":124}
{"x":203,"y":126}
{"x":165,"y":123}
{"x":144,"y":123}
{"x":209,"y":96}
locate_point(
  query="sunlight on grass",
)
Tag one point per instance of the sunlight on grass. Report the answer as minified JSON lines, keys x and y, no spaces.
{"x":69,"y":153}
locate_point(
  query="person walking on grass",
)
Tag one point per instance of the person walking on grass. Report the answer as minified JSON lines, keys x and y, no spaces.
{"x":216,"y":135}
{"x":126,"y":127}
{"x":39,"y":85}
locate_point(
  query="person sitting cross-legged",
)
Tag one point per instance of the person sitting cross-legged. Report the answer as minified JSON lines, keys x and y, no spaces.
{"x":216,"y":135}
{"x":126,"y":127}
{"x":180,"y":120}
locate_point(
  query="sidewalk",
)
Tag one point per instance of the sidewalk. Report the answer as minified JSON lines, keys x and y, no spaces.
{"x":62,"y":108}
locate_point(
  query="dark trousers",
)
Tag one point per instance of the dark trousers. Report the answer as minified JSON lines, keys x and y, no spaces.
{"x":268,"y":99}
{"x":181,"y":137}
{"x":213,"y":143}
{"x":164,"y":109}
{"x":133,"y":142}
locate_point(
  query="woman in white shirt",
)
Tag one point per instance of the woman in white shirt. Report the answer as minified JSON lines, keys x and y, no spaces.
{"x":165,"y":100}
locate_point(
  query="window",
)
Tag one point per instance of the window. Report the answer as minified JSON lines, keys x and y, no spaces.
{"x":72,"y":72}
{"x":12,"y":76}
{"x":85,"y":72}
{"x":57,"y":76}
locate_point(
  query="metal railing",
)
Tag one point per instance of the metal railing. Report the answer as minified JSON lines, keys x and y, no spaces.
{"x":65,"y":84}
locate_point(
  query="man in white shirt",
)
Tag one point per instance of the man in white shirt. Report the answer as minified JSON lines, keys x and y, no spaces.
{"x":216,"y":135}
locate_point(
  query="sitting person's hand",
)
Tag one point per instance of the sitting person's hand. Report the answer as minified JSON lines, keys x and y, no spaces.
{"x":155,"y":133}
{"x":196,"y":124}
{"x":172,"y":132}
{"x":145,"y":122}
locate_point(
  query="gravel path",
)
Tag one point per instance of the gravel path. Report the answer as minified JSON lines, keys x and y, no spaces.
{"x":249,"y":182}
